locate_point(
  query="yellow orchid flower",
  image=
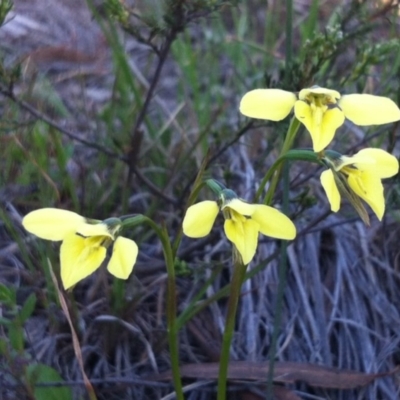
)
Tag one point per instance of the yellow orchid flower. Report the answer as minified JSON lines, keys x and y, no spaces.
{"x":321,"y":110}
{"x":243,"y":223}
{"x":84,"y":243}
{"x":359,"y":175}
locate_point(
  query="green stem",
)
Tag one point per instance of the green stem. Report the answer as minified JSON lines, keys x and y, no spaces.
{"x":171,"y":319}
{"x":266,"y":178}
{"x":118,"y":291}
{"x":172,"y":326}
{"x":292,"y":154}
{"x":287,"y":144}
{"x":239,"y":271}
{"x":281,"y":289}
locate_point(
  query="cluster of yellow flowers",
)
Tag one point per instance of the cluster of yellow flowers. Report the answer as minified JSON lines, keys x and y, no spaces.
{"x":322,"y":111}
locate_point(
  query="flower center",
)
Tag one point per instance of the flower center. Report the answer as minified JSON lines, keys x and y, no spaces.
{"x":234,"y":215}
{"x":94,"y":242}
{"x":320,"y":100}
{"x":355,"y":172}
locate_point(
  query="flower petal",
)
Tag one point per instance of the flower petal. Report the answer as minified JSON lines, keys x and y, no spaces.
{"x":89,"y":230}
{"x":332,"y":119}
{"x":303,"y":113}
{"x":369,"y":187}
{"x":273,"y":223}
{"x":271,"y":104}
{"x":321,"y":125}
{"x":240,"y":207}
{"x":52,"y":223}
{"x":385,"y":165}
{"x":200,"y":218}
{"x":79,"y":258}
{"x":125,"y":252}
{"x":366,"y":109}
{"x":244,"y":235}
{"x":358,"y":159}
{"x":331,"y":190}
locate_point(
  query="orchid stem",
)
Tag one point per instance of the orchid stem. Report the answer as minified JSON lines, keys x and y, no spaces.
{"x":290,"y":136}
{"x":239,"y":271}
{"x":172,"y":326}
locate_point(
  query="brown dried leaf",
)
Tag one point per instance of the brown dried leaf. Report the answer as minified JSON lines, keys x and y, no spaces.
{"x":284,"y":372}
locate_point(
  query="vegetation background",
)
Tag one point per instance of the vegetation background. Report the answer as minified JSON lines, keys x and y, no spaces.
{"x":110,"y":108}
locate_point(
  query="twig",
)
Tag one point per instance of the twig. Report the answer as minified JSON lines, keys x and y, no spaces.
{"x":36,"y":113}
{"x":136,"y":140}
{"x":32,"y":110}
{"x":215,"y":156}
{"x":153,"y":188}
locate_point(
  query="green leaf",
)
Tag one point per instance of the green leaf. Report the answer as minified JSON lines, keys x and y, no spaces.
{"x":41,"y":373}
{"x":15,"y":333}
{"x":3,"y":347}
{"x":27,"y":308}
{"x":7,"y":296}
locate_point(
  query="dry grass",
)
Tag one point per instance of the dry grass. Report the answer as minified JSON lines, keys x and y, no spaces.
{"x":342,"y":299}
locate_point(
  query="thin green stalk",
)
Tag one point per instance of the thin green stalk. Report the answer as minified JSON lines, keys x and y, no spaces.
{"x":239,"y":271}
{"x":287,"y":144}
{"x":294,"y":124}
{"x":118,"y":291}
{"x":281,"y":289}
{"x":267,"y":177}
{"x":172,"y":326}
{"x":171,"y":314}
{"x":291,"y":155}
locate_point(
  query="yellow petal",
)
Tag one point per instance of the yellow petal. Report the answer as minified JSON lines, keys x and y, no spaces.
{"x":366,"y":109}
{"x":240,"y":207}
{"x":332,"y":119}
{"x":385,"y":165}
{"x":359,"y":159}
{"x":273,"y":223}
{"x":52,"y":223}
{"x":80,"y":257}
{"x":125,"y":252}
{"x":303,"y":113}
{"x":321,"y":125}
{"x":89,"y":230}
{"x":331,"y":190}
{"x":271,"y":104}
{"x":244,"y":235}
{"x":200,"y":218}
{"x":319,"y":90}
{"x":369,"y":187}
